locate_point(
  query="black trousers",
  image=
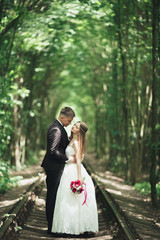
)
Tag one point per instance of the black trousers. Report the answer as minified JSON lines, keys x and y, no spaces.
{"x":52,"y":182}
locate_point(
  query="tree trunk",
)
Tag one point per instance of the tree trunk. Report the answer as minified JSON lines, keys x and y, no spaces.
{"x":153,"y":179}
{"x":22,"y":147}
{"x":96,"y":132}
{"x":16,"y":153}
{"x":124,"y":94}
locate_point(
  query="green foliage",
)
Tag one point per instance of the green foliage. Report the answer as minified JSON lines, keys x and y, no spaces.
{"x":32,"y":158}
{"x":10,"y":96}
{"x":4,"y":177}
{"x":117,"y":165}
{"x":145,"y":188}
{"x":17,"y":229}
{"x":5,"y":115}
{"x":7,"y":182}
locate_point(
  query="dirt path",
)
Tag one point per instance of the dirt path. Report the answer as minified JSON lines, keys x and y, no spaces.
{"x":137,"y":207}
{"x":7,"y":200}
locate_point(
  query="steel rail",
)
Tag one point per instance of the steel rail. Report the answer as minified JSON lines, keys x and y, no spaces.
{"x":119,"y":217}
{"x":28,"y":196}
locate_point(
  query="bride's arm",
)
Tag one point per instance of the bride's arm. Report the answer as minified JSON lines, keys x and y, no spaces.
{"x":79,"y":168}
{"x":78,"y":161}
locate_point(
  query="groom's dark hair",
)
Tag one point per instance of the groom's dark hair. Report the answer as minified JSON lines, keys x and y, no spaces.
{"x":68,"y":112}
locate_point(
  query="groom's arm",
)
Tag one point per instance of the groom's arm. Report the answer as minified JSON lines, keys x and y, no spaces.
{"x":54,"y":140}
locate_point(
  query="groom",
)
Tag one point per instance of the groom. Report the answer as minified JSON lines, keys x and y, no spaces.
{"x":55,"y":158}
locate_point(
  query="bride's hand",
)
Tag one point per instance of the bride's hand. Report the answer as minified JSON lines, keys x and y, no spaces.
{"x":72,"y":159}
{"x":82,"y":181}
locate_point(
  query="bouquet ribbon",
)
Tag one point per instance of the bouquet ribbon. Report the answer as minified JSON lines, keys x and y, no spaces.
{"x":85,"y":194}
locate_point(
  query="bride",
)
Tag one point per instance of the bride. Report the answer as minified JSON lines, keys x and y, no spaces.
{"x":75,"y":213}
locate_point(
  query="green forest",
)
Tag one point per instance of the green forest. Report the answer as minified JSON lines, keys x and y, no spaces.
{"x":101,"y":57}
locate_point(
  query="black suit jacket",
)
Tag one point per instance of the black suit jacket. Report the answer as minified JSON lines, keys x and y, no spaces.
{"x":57,"y":141}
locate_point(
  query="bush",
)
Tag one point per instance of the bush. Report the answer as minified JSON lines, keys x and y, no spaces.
{"x":7,"y":182}
{"x":145,"y":188}
{"x":4,"y":177}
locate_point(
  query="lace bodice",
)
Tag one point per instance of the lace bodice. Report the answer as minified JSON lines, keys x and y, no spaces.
{"x":69,"y":151}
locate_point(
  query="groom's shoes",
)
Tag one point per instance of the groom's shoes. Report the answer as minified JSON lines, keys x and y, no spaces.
{"x":50,"y":233}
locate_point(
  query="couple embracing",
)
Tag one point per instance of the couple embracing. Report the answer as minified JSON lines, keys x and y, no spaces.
{"x":70,"y":202}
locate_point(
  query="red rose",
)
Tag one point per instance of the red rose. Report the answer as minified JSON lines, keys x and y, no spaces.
{"x":71,"y":185}
{"x":77,"y":183}
{"x":81,"y":189}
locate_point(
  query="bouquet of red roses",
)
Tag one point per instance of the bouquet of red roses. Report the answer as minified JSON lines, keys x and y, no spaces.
{"x":77,"y":186}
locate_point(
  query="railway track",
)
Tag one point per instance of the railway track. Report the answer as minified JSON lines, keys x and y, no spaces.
{"x":27,"y":219}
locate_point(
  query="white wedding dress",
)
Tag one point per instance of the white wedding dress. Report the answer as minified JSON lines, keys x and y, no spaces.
{"x":70,"y":216}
